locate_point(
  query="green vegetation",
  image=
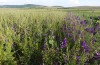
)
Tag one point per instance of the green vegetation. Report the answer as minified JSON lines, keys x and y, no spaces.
{"x":49,"y":36}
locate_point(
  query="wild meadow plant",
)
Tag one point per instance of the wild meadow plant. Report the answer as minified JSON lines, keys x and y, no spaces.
{"x":49,"y":38}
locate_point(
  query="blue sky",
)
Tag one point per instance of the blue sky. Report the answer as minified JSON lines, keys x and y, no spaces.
{"x":66,"y":3}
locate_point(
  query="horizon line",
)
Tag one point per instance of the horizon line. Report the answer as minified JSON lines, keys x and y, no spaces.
{"x":53,"y":5}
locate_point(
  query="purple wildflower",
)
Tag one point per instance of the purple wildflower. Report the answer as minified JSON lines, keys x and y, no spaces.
{"x":97,"y":56}
{"x":61,"y":45}
{"x":78,"y":60}
{"x":97,"y":24}
{"x":91,"y":17}
{"x":64,"y":56}
{"x":78,"y":57}
{"x":64,"y":27}
{"x":99,"y":17}
{"x":83,"y":22}
{"x":83,"y":43}
{"x":90,"y":30}
{"x":77,"y":18}
{"x":64,"y":43}
{"x":69,"y":35}
{"x":93,"y":40}
{"x":98,"y":53}
{"x":84,"y":46}
{"x":87,"y":29}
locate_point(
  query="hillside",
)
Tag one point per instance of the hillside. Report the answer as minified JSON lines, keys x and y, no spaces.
{"x":21,"y":6}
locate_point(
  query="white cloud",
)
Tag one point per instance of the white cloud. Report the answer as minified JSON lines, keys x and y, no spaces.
{"x":3,"y":1}
{"x":74,"y":2}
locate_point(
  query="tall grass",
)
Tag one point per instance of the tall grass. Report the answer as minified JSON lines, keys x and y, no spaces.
{"x":47,"y":37}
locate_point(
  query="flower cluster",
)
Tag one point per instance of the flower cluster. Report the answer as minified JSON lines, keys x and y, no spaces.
{"x":97,"y":56}
{"x":90,"y":30}
{"x":84,"y":46}
{"x":64,"y":43}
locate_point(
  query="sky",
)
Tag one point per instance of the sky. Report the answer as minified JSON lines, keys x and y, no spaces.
{"x":65,"y":3}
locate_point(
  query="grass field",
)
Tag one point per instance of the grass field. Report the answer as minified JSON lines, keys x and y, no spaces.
{"x":49,"y":36}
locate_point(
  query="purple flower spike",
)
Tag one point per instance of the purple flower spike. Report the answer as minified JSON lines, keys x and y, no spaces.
{"x":61,"y":45}
{"x":83,"y":43}
{"x":85,"y":47}
{"x":69,"y":34}
{"x":99,"y":17}
{"x":92,"y":30}
{"x":98,"y":53}
{"x":78,"y":57}
{"x":64,"y":27}
{"x":64,"y":43}
{"x":87,"y":29}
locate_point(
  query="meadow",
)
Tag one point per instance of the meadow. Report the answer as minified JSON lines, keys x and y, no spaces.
{"x":49,"y":36}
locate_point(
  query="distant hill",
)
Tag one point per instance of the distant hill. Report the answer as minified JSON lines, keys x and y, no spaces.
{"x":41,"y":6}
{"x":85,"y":7}
{"x":21,"y":6}
{"x":29,"y":6}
